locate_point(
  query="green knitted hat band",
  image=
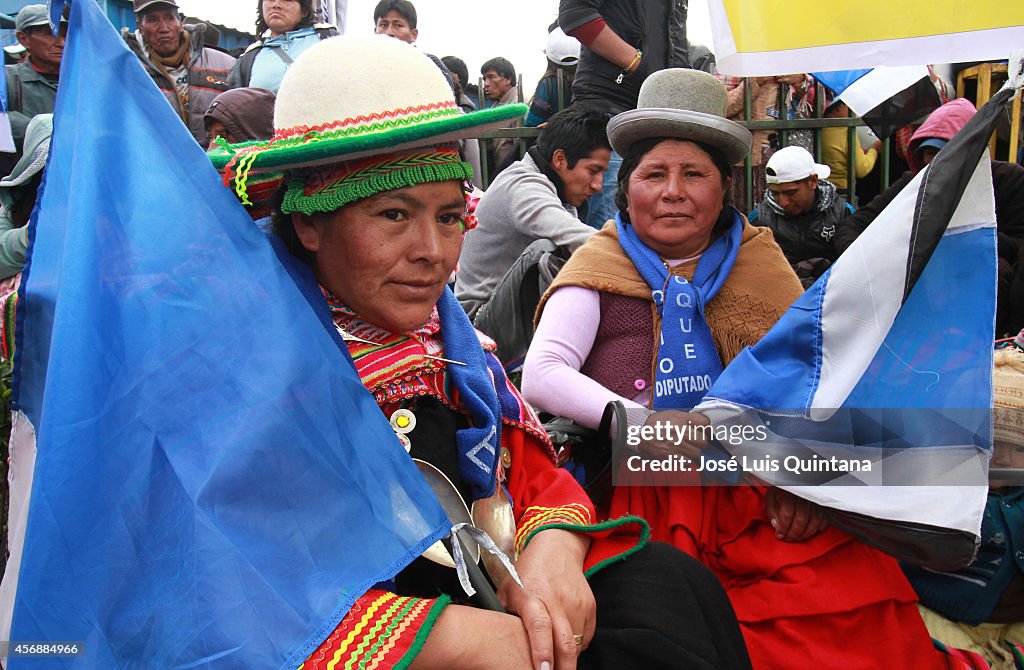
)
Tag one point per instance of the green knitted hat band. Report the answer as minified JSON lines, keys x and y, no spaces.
{"x":325,"y":189}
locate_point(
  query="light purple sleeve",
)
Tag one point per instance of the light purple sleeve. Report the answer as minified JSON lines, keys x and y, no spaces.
{"x":551,"y":377}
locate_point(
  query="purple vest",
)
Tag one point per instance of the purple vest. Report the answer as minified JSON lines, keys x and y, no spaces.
{"x":622,"y":358}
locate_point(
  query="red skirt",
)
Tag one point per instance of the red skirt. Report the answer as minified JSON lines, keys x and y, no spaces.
{"x":828,"y":602}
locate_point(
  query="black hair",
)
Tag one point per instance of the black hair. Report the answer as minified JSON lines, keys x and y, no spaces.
{"x":636,"y":153}
{"x":282,"y":226}
{"x":577,"y":132}
{"x":308,"y":16}
{"x":502,"y":66}
{"x":457,"y":66}
{"x":403,"y":7}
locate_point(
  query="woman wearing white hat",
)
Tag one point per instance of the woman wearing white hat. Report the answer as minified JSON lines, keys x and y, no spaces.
{"x":648,"y":312}
{"x":374,"y":204}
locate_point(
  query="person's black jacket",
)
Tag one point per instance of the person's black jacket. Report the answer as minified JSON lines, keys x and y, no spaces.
{"x":809,"y":239}
{"x":655,"y":27}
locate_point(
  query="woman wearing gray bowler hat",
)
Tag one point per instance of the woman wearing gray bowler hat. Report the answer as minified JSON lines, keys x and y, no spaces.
{"x":648,"y":312}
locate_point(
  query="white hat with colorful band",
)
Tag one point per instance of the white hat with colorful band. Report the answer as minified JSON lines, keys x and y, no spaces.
{"x":326,"y":115}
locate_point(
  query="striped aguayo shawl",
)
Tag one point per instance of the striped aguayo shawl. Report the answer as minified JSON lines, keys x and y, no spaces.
{"x":394,"y":368}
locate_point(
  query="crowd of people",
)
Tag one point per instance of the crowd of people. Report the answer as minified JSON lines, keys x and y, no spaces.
{"x":634,"y":178}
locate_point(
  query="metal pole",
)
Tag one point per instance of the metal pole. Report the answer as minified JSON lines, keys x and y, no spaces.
{"x":783,"y":109}
{"x":819,"y":109}
{"x":748,"y":168}
{"x":851,"y":161}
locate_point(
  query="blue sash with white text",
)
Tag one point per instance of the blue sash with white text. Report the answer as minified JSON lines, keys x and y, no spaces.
{"x":687,"y":358}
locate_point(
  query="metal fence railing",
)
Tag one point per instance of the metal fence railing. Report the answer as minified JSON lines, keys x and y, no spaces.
{"x":782,"y":126}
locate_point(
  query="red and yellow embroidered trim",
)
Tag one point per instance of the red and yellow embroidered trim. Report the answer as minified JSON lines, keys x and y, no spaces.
{"x":534,"y":518}
{"x":394,"y":366}
{"x":379,"y":631}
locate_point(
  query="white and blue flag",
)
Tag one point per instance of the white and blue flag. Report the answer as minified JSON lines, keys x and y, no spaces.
{"x":887,"y":359}
{"x":887,"y":98}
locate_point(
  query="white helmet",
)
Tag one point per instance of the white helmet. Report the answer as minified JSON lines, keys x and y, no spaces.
{"x":562,"y":49}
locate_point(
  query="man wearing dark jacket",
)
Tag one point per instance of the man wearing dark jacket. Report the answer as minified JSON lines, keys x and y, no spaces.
{"x":623,"y":42}
{"x":803,"y":211}
{"x":189,"y":74}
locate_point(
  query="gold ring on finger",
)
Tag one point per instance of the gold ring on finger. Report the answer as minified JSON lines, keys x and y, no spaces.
{"x":578,"y":639}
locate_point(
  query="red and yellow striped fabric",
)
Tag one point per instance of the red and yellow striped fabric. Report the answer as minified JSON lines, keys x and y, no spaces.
{"x":536,"y":517}
{"x":382,"y":630}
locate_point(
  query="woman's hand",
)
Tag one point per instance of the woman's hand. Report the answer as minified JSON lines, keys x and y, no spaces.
{"x":681,"y":433}
{"x":794,"y":519}
{"x":555,"y":603}
{"x":467,"y":638}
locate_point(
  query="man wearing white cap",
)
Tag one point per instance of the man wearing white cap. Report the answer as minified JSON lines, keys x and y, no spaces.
{"x":803,"y":210}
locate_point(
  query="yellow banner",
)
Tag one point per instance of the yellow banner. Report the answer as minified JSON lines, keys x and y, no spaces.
{"x":759,"y":26}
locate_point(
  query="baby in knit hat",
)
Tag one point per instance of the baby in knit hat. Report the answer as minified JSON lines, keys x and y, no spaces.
{"x":981,"y":607}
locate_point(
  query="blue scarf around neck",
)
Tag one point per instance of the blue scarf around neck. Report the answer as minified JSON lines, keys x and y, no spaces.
{"x":478,"y":444}
{"x":687,"y":358}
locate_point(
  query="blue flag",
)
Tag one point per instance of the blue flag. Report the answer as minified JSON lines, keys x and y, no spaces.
{"x":200,"y":478}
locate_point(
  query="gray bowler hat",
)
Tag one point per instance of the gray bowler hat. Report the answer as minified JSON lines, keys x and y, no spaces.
{"x":681,"y":104}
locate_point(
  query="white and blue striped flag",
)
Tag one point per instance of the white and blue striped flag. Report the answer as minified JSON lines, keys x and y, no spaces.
{"x":887,"y":98}
{"x":888,"y":359}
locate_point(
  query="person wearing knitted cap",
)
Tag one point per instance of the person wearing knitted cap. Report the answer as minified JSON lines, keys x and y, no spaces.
{"x":241,"y":115}
{"x":189,"y":74}
{"x":1008,"y":184}
{"x":647,"y":313}
{"x":374,"y":204}
{"x":981,"y":607}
